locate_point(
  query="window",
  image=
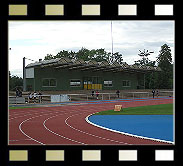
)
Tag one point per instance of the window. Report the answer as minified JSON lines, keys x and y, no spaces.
{"x":49,"y":82}
{"x":126,"y":83}
{"x":75,"y":83}
{"x":108,"y":83}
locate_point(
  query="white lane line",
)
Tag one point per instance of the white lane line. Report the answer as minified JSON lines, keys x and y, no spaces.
{"x":20,"y":128}
{"x":132,"y":135}
{"x":92,"y":134}
{"x":34,"y":112}
{"x":51,"y":112}
{"x":44,"y":124}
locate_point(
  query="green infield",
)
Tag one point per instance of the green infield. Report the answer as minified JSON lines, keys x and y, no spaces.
{"x":16,"y":107}
{"x":162,"y":109}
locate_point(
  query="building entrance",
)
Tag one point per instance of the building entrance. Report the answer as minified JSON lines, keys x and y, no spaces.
{"x":92,"y":83}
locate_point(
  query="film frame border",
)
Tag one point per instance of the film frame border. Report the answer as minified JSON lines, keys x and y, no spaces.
{"x":34,"y":13}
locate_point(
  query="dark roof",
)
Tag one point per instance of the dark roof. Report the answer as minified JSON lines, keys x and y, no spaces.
{"x":79,"y":64}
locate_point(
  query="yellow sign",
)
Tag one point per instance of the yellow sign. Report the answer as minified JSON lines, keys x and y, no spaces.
{"x":117,"y":107}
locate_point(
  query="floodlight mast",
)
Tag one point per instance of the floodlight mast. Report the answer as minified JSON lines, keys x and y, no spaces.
{"x":111,"y":38}
{"x":111,"y":58}
{"x":24,"y":75}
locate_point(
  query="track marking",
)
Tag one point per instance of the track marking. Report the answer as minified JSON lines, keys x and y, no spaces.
{"x":59,"y":134}
{"x":20,"y":128}
{"x":51,"y":112}
{"x":90,"y":133}
{"x":66,"y":108}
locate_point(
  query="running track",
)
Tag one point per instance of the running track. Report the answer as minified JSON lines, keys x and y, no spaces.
{"x":66,"y":125}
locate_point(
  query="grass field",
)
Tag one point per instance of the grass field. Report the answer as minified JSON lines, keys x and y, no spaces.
{"x":162,"y":109}
{"x":21,"y":107}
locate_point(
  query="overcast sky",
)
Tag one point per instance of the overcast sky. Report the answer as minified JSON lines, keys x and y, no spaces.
{"x":36,"y":39}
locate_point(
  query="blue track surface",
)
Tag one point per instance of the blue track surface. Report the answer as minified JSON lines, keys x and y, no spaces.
{"x":151,"y":126}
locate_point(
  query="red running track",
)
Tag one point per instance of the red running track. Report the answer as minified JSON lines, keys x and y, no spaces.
{"x":66,"y":125}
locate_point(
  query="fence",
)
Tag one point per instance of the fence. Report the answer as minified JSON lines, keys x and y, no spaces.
{"x":85,"y":97}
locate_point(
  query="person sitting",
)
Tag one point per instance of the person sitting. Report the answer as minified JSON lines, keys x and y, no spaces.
{"x":34,"y":95}
{"x":30,"y":97}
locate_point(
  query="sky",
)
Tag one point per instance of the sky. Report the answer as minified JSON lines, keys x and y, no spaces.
{"x":35,"y":39}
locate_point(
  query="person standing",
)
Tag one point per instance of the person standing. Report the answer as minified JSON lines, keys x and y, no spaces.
{"x":40,"y":96}
{"x":153,"y":92}
{"x":20,"y":93}
{"x":92,"y":93}
{"x":17,"y":92}
{"x":157,"y":93}
{"x":97,"y":94}
{"x":117,"y":93}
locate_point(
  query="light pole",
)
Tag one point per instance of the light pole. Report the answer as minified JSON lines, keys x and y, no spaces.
{"x":24,"y":75}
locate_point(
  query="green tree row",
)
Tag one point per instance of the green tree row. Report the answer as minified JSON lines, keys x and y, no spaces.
{"x":15,"y":82}
{"x":158,"y":80}
{"x":161,"y":80}
{"x":86,"y":54}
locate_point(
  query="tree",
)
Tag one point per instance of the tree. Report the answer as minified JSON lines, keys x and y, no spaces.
{"x":84,"y":54}
{"x":15,"y":82}
{"x":116,"y":57}
{"x":48,"y":57}
{"x":164,"y":79}
{"x":65,"y":53}
{"x":145,"y":61}
{"x":98,"y":55}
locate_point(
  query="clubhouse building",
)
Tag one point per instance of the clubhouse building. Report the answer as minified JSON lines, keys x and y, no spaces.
{"x":66,"y":74}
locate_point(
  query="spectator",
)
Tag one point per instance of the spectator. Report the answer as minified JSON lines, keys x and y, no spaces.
{"x":117,"y":93}
{"x":17,"y":92}
{"x":20,"y":93}
{"x":153,"y":92}
{"x":97,"y":94}
{"x":40,"y":97}
{"x":30,"y":97}
{"x":93,"y":93}
{"x":34,"y":95}
{"x":157,"y":93}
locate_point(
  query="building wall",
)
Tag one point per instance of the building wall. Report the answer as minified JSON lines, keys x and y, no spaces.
{"x":63,"y":77}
